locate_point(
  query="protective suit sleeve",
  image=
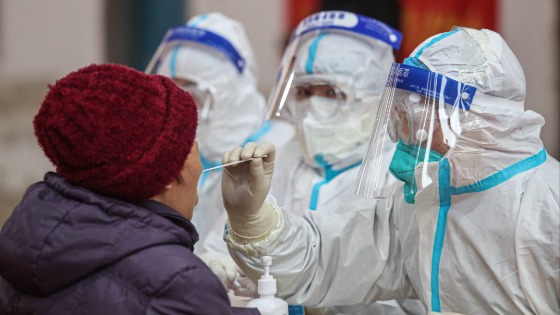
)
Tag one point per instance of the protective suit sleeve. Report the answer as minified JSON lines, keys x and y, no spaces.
{"x":345,"y":256}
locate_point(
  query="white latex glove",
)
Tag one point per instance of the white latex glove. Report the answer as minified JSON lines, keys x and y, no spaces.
{"x":245,"y":187}
{"x":231,"y":276}
{"x":226,"y":270}
{"x":243,"y":286}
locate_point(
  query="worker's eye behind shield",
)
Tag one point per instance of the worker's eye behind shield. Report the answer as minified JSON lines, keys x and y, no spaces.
{"x":422,"y":110}
{"x":323,"y":101}
{"x":411,"y":118}
{"x":307,"y":90}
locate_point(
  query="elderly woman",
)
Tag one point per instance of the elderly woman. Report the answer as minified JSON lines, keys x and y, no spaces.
{"x":109,"y":232}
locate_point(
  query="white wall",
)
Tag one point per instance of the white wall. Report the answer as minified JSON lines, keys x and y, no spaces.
{"x":47,"y":39}
{"x":40,"y":41}
{"x":531,"y":30}
{"x":263,"y":21}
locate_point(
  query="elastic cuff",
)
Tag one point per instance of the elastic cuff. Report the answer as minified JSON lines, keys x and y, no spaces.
{"x":257,"y":229}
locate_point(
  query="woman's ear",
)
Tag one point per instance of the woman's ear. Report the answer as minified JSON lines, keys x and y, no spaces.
{"x":161,"y":197}
{"x":178,"y":180}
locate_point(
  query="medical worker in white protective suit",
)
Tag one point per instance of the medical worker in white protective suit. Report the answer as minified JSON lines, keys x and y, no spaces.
{"x":473,"y":227}
{"x":338,"y":78}
{"x":212,"y":59}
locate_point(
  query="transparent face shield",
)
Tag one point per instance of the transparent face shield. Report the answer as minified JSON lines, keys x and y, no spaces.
{"x":203,"y":95}
{"x":422,"y":111}
{"x":289,"y":90}
{"x":165,"y":62}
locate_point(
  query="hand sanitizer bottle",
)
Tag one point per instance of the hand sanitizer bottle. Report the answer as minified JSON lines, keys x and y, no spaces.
{"x":267,"y":303}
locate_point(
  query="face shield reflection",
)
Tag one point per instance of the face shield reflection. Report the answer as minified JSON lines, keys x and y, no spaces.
{"x":201,"y":93}
{"x":304,"y":52}
{"x":422,"y":111}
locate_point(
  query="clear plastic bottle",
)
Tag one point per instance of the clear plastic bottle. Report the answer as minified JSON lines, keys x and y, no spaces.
{"x":267,"y":303}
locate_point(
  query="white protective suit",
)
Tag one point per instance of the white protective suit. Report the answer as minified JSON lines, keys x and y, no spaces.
{"x":483,"y":238}
{"x":361,"y":67}
{"x":299,"y":184}
{"x":235,"y":118}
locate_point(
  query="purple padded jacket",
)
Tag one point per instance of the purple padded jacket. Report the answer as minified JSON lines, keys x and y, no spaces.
{"x":67,"y":250}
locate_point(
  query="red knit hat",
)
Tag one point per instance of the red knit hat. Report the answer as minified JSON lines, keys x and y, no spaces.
{"x":117,"y":131}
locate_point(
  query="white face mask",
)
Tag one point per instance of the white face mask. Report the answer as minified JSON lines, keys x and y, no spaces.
{"x":331,"y":133}
{"x":324,"y":109}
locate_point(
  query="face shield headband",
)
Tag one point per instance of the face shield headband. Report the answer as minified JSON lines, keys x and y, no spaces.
{"x":316,"y":26}
{"x":420,"y":109}
{"x":203,"y":93}
{"x":189,"y":34}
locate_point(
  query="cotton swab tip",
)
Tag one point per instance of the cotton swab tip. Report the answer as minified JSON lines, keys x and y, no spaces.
{"x":232,"y":163}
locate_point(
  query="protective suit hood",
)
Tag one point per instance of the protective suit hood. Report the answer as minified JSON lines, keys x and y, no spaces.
{"x":235,"y":94}
{"x":358,"y":66}
{"x":361,"y":65}
{"x":497,"y":130}
{"x":480,"y":58}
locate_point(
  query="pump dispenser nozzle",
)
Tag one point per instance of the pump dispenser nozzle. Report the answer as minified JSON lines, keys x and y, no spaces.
{"x":266,"y":261}
{"x":267,"y":284}
{"x":267,"y":303}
